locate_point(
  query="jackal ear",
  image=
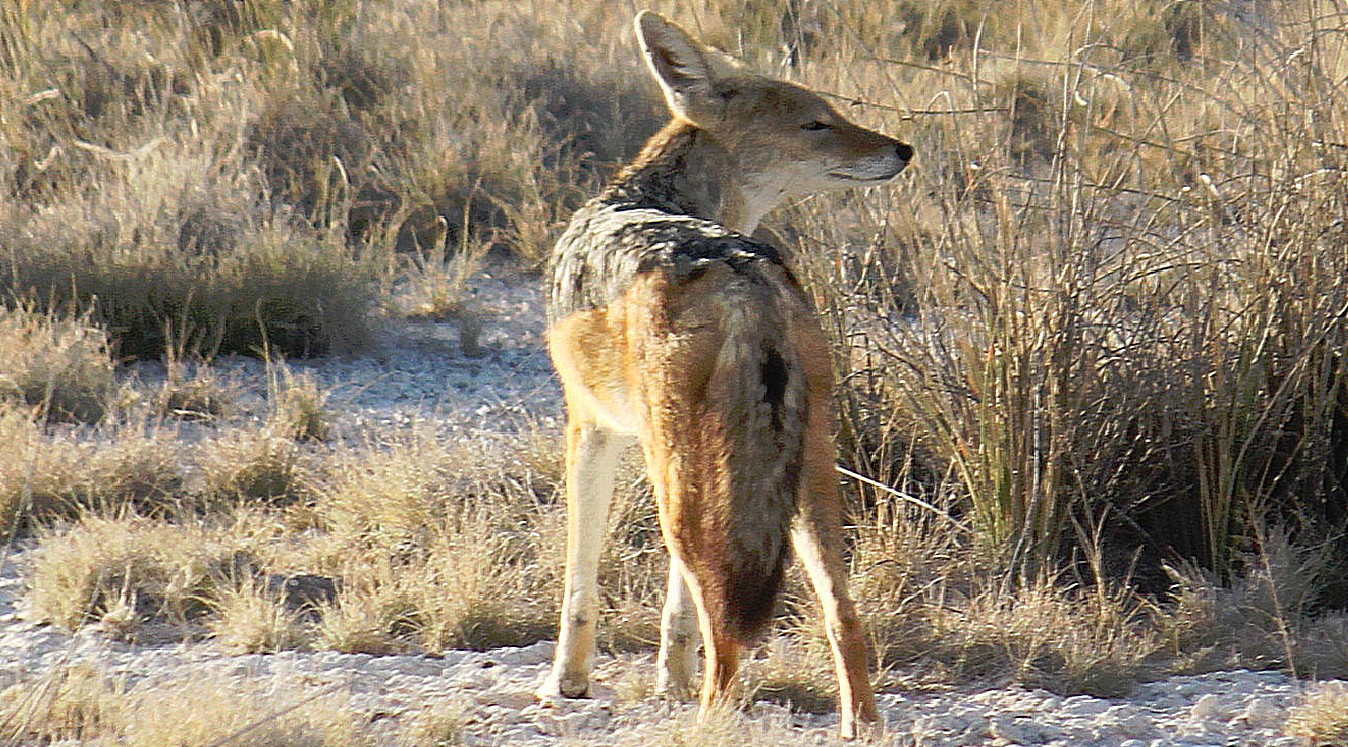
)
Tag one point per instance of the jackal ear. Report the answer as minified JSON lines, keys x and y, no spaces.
{"x":678,"y":63}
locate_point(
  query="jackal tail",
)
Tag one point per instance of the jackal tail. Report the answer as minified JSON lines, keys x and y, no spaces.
{"x":742,"y":453}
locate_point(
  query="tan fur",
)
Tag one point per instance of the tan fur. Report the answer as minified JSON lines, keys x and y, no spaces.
{"x":669,"y":326}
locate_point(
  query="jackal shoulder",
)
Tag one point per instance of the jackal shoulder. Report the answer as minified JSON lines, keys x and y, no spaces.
{"x":607,"y":246}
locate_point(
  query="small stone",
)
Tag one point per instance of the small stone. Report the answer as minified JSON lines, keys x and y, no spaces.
{"x":1020,"y":730}
{"x":1263,"y":714}
{"x":1135,"y":725}
{"x":511,"y":700}
{"x":1209,"y":708}
{"x":1084,"y":705}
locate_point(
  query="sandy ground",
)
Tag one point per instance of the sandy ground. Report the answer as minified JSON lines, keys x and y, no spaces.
{"x":419,"y":377}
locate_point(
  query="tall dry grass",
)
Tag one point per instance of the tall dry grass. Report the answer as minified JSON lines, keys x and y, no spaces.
{"x":1097,"y":328}
{"x":1110,"y":293}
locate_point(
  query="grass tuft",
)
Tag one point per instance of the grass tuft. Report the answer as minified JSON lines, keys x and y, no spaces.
{"x":1322,"y":717}
{"x":64,"y":703}
{"x":161,"y":262}
{"x":1267,"y":616}
{"x":258,"y":466}
{"x":299,"y":406}
{"x":445,"y":553}
{"x":53,"y":476}
{"x":438,"y":724}
{"x":61,"y":367}
{"x":84,"y":704}
{"x":796,"y":672}
{"x":249,"y":618}
{"x":130,"y":573}
{"x":194,"y":393}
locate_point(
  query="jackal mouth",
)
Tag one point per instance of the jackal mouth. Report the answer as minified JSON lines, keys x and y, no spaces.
{"x":865,"y":179}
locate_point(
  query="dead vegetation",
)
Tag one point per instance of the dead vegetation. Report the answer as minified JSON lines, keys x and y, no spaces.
{"x":1098,"y":329}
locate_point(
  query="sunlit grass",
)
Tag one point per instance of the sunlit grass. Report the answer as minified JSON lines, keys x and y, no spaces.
{"x":1099,"y":324}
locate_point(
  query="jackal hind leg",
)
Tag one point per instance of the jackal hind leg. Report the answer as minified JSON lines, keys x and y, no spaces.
{"x":592,"y":455}
{"x":817,"y":539}
{"x":721,"y":653}
{"x":677,"y":661}
{"x":824,"y":565}
{"x":721,"y":648}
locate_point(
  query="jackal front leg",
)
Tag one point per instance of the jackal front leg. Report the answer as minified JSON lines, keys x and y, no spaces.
{"x":592,"y":455}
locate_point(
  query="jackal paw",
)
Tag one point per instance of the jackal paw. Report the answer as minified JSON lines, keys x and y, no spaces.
{"x":557,"y":687}
{"x":867,"y":728}
{"x":680,"y":691}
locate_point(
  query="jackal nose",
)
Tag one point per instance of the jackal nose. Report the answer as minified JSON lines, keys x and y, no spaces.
{"x":904,"y":151}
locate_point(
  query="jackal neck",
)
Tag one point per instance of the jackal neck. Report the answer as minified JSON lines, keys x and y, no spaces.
{"x":683,"y":171}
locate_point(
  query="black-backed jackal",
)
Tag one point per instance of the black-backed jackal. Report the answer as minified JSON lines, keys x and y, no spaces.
{"x":669,"y":324}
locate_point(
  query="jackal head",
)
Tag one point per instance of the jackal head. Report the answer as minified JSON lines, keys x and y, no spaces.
{"x":783,"y":139}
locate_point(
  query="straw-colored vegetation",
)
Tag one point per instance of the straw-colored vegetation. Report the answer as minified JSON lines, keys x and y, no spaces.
{"x":91,"y":706}
{"x":1322,"y":716}
{"x":1098,"y":327}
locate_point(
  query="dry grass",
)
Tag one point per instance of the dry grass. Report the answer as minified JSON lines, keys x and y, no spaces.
{"x":441,"y":724}
{"x":139,"y":204}
{"x":71,"y":702}
{"x":60,"y":367}
{"x":436,"y":548}
{"x":372,"y":616}
{"x":135,"y":576}
{"x":938,"y":613}
{"x":250,"y":618}
{"x":1322,"y":716}
{"x":1101,"y":310}
{"x":1272,"y":616}
{"x":416,"y":548}
{"x":89,"y":706}
{"x":257,"y":170}
{"x":275,"y":283}
{"x":253,"y":466}
{"x":56,"y":475}
{"x":299,"y":406}
{"x":194,"y":393}
{"x":1065,"y":641}
{"x":794,"y":670}
{"x":1100,"y":323}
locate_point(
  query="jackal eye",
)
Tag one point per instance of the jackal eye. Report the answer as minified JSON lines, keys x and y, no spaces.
{"x":816,"y":126}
